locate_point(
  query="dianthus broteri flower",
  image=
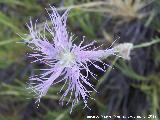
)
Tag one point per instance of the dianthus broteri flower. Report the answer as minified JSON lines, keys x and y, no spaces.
{"x":64,"y":59}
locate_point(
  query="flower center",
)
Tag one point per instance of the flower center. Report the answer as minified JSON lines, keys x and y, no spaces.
{"x":67,"y":59}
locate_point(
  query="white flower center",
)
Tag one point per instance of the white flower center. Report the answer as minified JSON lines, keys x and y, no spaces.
{"x":67,"y":59}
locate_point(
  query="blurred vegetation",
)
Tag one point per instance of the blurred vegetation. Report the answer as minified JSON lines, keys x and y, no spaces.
{"x":131,"y":88}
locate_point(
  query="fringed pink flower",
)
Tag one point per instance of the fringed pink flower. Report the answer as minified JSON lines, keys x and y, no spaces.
{"x":64,"y":59}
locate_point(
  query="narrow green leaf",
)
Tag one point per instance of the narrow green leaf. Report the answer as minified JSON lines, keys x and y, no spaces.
{"x":8,"y":22}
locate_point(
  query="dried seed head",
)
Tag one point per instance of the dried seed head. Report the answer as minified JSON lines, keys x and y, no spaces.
{"x":124,"y":50}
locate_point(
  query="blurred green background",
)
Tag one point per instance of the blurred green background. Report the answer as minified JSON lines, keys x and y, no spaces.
{"x":131,"y":88}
